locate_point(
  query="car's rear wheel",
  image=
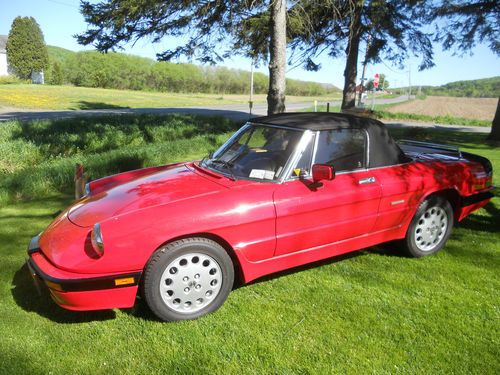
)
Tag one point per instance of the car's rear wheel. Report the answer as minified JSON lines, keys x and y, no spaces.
{"x":187,"y":279}
{"x":430,"y":227}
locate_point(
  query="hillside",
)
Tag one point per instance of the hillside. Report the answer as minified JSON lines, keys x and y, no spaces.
{"x":59,"y":54}
{"x":478,"y":88}
{"x":129,"y":72}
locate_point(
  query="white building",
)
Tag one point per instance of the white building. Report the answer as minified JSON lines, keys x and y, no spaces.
{"x":3,"y":56}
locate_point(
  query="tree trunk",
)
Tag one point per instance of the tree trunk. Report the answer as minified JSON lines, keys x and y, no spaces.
{"x":495,"y":125}
{"x":352,"y":51}
{"x":277,"y":63}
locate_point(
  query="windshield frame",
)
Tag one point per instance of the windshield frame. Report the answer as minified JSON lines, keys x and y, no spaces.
{"x":293,"y":159}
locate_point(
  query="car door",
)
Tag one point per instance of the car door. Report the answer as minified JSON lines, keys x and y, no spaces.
{"x":403,"y":187}
{"x":340,"y":209}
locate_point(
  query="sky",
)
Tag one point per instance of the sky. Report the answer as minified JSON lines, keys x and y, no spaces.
{"x":61,"y":19}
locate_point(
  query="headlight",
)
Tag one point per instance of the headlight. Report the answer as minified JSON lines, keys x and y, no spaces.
{"x":97,"y":241}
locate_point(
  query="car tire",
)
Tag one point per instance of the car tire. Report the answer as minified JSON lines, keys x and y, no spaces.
{"x":430,"y":228}
{"x":187,"y":279}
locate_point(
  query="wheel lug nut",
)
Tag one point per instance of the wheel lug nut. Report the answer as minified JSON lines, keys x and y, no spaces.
{"x":186,"y":290}
{"x":198,"y":287}
{"x":185,"y":278}
{"x":197,"y":276}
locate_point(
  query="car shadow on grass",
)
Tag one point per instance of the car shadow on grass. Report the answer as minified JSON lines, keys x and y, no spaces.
{"x":25,"y":295}
{"x":142,"y":311}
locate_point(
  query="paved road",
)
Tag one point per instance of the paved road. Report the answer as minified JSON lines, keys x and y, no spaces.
{"x":232,"y":111}
{"x":237,"y":112}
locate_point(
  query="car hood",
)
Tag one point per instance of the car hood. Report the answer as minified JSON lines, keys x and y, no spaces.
{"x":143,"y":192}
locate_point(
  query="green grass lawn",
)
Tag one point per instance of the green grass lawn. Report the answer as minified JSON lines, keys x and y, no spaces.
{"x":373,"y":311}
{"x":69,"y":97}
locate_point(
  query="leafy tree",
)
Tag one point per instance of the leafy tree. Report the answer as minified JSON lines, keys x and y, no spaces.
{"x":121,"y":71}
{"x":477,"y":88}
{"x":26,"y":49}
{"x":393,"y":28}
{"x":56,"y":74}
{"x":204,"y":26}
{"x":469,"y":23}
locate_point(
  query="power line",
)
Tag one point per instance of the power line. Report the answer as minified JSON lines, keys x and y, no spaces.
{"x":65,"y":4}
{"x":392,"y":70}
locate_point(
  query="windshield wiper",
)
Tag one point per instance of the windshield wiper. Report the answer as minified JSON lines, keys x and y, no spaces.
{"x":225,"y":164}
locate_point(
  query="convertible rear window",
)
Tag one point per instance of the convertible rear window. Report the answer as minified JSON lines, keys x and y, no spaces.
{"x":344,"y":149}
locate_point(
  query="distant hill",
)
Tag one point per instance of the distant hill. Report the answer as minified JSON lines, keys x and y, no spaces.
{"x":59,"y":54}
{"x":122,"y":71}
{"x":477,"y":88}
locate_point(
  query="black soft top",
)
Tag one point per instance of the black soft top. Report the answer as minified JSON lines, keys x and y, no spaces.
{"x":383,"y":150}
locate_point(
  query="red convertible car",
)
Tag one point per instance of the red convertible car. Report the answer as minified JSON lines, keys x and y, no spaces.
{"x":283,"y":191}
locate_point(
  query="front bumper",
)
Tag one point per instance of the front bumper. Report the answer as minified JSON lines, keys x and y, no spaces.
{"x":76,"y":291}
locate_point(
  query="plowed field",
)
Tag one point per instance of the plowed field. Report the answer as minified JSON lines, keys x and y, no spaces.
{"x":470,"y":108}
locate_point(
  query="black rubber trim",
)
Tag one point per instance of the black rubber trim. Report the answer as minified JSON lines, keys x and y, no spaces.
{"x":84,"y":284}
{"x":33,"y":245}
{"x":476,"y":198}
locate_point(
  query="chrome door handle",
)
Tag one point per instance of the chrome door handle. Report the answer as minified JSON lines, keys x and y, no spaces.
{"x":368,"y":180}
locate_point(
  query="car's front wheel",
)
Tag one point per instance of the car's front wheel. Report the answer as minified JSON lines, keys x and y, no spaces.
{"x":430,"y":227}
{"x":187,"y":279}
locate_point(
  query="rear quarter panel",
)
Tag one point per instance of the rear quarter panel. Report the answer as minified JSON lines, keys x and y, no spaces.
{"x":405,"y":186}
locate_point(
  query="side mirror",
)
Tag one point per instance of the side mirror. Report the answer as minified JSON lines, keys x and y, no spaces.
{"x":322,"y":172}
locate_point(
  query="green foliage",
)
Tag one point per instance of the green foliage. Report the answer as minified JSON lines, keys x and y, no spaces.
{"x":10,"y":80}
{"x":121,"y":71}
{"x":477,"y":88}
{"x":59,"y":54}
{"x":56,"y":74}
{"x":467,"y":23}
{"x":26,"y":49}
{"x":373,"y":311}
{"x":38,"y":157}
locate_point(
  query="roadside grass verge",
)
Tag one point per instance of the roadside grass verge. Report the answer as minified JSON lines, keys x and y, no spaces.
{"x":48,"y":97}
{"x":447,"y":120}
{"x":381,"y":113}
{"x":370,"y":312}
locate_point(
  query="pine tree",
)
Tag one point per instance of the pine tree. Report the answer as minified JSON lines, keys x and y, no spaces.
{"x":393,"y":28}
{"x":467,"y":24}
{"x":26,"y":49}
{"x":56,"y":74}
{"x":205,"y":26}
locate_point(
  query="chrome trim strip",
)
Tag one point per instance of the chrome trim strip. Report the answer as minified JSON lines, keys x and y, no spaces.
{"x":397,"y":202}
{"x":230,"y":140}
{"x":367,"y":149}
{"x":275,"y":126}
{"x":316,"y":141}
{"x":294,"y":159}
{"x":87,"y":190}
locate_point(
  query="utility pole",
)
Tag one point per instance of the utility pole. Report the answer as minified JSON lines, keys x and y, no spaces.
{"x":409,"y":81}
{"x":364,"y":71}
{"x":250,"y":102}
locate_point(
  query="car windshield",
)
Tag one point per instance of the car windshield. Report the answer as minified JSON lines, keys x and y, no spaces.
{"x":255,"y":152}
